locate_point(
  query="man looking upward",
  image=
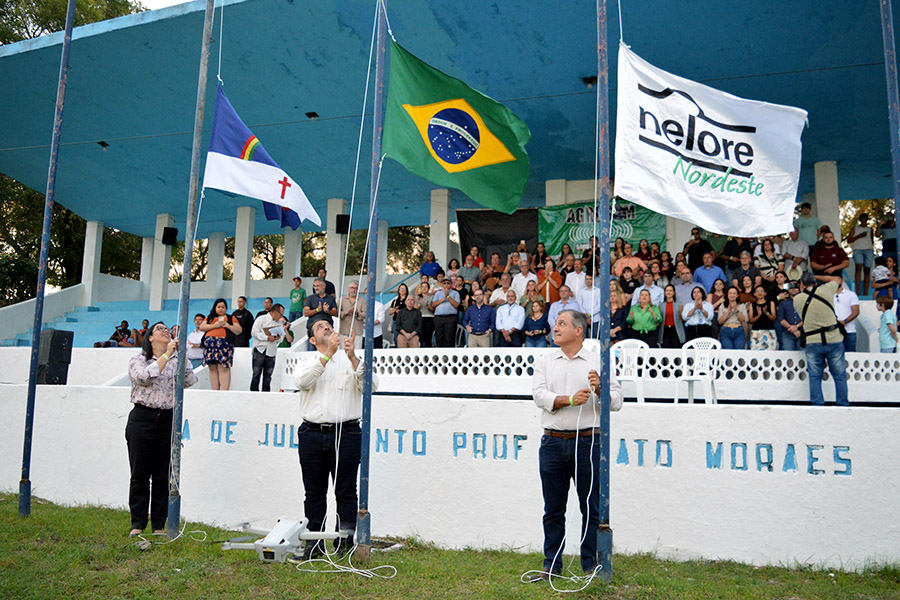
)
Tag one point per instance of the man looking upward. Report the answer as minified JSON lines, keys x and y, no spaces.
{"x":566,"y":388}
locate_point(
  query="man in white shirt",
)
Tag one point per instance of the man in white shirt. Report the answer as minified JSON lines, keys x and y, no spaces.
{"x":498,"y":297}
{"x":267,"y":333}
{"x":330,"y":384}
{"x":846,"y":308}
{"x":566,"y":388}
{"x":195,"y":342}
{"x":592,"y":304}
{"x":566,"y":302}
{"x":796,"y":255}
{"x":575,"y":279}
{"x":657,"y":294}
{"x":509,"y":321}
{"x":520,"y":281}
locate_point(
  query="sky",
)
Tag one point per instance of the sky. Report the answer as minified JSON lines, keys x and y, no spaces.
{"x":154,"y":4}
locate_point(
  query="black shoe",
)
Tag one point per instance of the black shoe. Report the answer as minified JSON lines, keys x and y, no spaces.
{"x":313,"y":550}
{"x":343,"y":546}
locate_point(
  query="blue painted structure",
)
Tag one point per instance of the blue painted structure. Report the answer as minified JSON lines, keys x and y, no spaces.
{"x":133,"y":86}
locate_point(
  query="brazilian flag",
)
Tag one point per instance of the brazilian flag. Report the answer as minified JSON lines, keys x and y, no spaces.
{"x":441,"y":129}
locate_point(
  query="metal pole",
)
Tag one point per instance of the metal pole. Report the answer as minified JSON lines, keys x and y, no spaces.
{"x":363,"y":520}
{"x":174,"y":517}
{"x":604,"y":535}
{"x":890,"y":67}
{"x":25,"y":482}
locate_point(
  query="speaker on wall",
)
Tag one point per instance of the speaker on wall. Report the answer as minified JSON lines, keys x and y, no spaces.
{"x":170,"y":236}
{"x":54,"y":357}
{"x":342,"y":224}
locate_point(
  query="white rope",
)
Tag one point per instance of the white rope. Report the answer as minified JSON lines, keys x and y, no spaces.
{"x":362,"y":121}
{"x":387,"y":20}
{"x":221,"y":30}
{"x":621,"y":32}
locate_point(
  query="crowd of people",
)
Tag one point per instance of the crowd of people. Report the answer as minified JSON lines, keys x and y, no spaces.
{"x":738,"y":290}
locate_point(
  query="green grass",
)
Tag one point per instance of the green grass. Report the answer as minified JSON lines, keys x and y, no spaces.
{"x":84,"y":552}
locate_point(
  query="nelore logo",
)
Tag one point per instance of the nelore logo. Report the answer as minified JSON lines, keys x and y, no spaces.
{"x":708,"y":153}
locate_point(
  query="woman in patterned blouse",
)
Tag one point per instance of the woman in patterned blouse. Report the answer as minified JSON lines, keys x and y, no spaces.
{"x":149,"y":428}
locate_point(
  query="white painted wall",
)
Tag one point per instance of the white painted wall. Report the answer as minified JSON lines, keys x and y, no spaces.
{"x":836,"y":508}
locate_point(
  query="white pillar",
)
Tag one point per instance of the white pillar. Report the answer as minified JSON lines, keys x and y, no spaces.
{"x":439,"y":242}
{"x":215,"y":262}
{"x":381,"y":259}
{"x":555,"y":192}
{"x":293,"y":242}
{"x":162,"y":258}
{"x":146,"y":262}
{"x":828,"y":204}
{"x":334,"y":242}
{"x":243,"y":252}
{"x":90,"y":264}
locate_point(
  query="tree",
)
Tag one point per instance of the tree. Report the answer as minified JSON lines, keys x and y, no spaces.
{"x":16,"y":276}
{"x":27,"y":19}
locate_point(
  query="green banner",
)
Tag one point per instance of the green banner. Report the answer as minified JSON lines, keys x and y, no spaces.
{"x":573,"y":224}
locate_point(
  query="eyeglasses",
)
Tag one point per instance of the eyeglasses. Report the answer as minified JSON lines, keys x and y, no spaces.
{"x":161,"y":328}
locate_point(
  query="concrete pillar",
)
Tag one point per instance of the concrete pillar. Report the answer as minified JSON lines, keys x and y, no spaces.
{"x":678,"y":232}
{"x":243,"y":252}
{"x":439,"y":242}
{"x":215,"y":262}
{"x":828,"y":205}
{"x":334,"y":242}
{"x":293,"y":242}
{"x":555,"y":192}
{"x":162,"y":259}
{"x":146,"y":262}
{"x":90,"y":264}
{"x":381,"y":259}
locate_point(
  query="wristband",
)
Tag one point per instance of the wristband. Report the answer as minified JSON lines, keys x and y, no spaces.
{"x":165,"y":356}
{"x":572,"y":400}
{"x":327,"y":358}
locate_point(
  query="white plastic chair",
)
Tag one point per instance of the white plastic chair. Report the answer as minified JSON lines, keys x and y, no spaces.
{"x":703,"y":370}
{"x":630,"y":357}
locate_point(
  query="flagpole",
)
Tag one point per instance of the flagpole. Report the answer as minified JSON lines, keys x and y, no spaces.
{"x":604,"y":534}
{"x":25,"y":482}
{"x":890,"y":67}
{"x":363,"y":527}
{"x":174,"y":517}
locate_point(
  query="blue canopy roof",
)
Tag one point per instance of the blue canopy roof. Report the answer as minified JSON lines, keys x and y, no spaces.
{"x":133,"y":81}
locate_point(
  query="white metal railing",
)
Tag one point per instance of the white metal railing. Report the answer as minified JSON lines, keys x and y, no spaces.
{"x":742,"y":374}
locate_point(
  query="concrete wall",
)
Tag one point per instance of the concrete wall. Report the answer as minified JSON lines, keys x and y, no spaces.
{"x":18,"y":318}
{"x":756,"y":484}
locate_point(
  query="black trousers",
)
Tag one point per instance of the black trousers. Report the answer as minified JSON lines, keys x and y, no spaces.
{"x":149,"y":437}
{"x":670,"y":337}
{"x":427,"y":332}
{"x":262,"y":365}
{"x":692,"y":332}
{"x":445,"y":330}
{"x":515,"y":340}
{"x":321,"y":461}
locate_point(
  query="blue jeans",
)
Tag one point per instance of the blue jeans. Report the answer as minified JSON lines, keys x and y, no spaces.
{"x":787,"y":341}
{"x":816,"y":356}
{"x":850,"y":342}
{"x":733,"y":338}
{"x":557,"y":465}
{"x":536,"y":341}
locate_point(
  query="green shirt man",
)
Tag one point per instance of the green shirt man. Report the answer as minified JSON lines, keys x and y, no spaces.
{"x":298,"y":297}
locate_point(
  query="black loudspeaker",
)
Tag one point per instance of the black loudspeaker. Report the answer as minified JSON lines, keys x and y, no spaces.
{"x":54,"y":357}
{"x":342,"y":224}
{"x":170,"y":236}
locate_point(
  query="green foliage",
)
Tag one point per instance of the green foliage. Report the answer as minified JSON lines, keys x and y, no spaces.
{"x":84,"y":552}
{"x":21,"y":228}
{"x":878,"y":211}
{"x":17,"y":276}
{"x":26,"y":19}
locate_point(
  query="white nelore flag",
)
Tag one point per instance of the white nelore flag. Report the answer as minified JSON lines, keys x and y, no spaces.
{"x":686,"y":150}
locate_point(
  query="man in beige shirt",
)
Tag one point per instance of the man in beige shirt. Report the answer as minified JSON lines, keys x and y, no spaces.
{"x":352,"y":311}
{"x":566,"y":388}
{"x":330,"y":385}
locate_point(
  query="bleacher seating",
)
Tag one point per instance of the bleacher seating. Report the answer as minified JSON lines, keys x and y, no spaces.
{"x":96,"y":323}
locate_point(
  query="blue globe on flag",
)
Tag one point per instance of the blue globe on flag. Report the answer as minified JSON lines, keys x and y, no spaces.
{"x":454,"y":135}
